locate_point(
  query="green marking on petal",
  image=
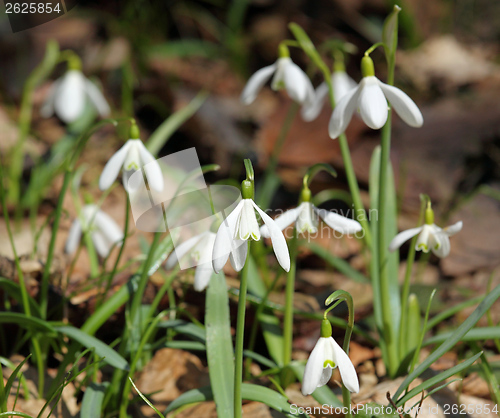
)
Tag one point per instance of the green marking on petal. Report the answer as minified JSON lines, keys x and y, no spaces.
{"x":329,"y":363}
{"x":423,"y":247}
{"x":255,"y":237}
{"x":132,"y":166}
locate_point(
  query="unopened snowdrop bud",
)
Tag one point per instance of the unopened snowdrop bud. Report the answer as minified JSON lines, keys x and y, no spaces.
{"x":287,"y":75}
{"x":430,"y":236}
{"x":326,"y":356}
{"x":103,"y":231}
{"x":69,"y":95}
{"x":370,"y":97}
{"x":131,"y":157}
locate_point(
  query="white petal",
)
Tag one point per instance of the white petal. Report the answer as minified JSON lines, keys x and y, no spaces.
{"x":440,"y":244}
{"x":372,"y":103}
{"x":346,"y":368}
{"x":314,"y":367}
{"x":277,"y":238}
{"x":101,"y":245}
{"x":282,"y":221}
{"x":97,"y":98}
{"x":312,"y":109}
{"x":47,"y":109}
{"x":151,"y":167}
{"x":74,"y":235}
{"x":297,"y":83}
{"x":113,"y":167}
{"x":339,"y":223}
{"x":423,"y":243}
{"x":180,"y":251}
{"x":239,"y":254}
{"x":453,"y":229}
{"x":255,"y":83}
{"x":202,"y":276}
{"x":342,"y":84}
{"x":342,"y":113}
{"x":247,"y":226}
{"x":308,"y":219}
{"x":403,"y":105}
{"x":402,"y":237}
{"x":108,"y":227}
{"x":70,"y":97}
{"x":224,"y":244}
{"x":325,"y":376}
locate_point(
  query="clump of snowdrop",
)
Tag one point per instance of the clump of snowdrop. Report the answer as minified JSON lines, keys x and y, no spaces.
{"x":240,"y":226}
{"x":69,"y":95}
{"x":341,"y":83}
{"x":130,"y":158}
{"x":370,"y":98}
{"x":287,"y":75}
{"x":306,"y":217}
{"x":326,"y":356}
{"x":198,"y":250}
{"x":103,"y":230}
{"x":430,"y":236}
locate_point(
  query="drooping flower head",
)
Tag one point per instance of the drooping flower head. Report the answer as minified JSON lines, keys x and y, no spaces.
{"x":430,"y":236}
{"x":240,"y":226}
{"x":326,"y":356}
{"x":131,"y":157}
{"x":69,"y":95}
{"x":103,"y":230}
{"x":287,"y":75}
{"x":370,"y":98}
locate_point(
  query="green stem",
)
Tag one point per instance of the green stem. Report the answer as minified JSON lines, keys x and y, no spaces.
{"x":289,"y":293}
{"x":240,"y":330}
{"x":93,"y":259}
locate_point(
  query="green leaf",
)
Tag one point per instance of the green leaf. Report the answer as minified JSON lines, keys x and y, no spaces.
{"x":323,"y":394}
{"x":15,"y":414}
{"x":341,"y":265}
{"x":185,"y":48}
{"x":475,"y":334}
{"x":308,"y":47}
{"x":14,"y":375}
{"x":161,"y":254}
{"x":93,"y":399}
{"x":273,"y":335}
{"x":248,"y":391}
{"x":186,"y":328}
{"x":110,"y":356}
{"x":145,"y":399}
{"x":453,"y":339}
{"x":390,"y":34}
{"x":28,"y":322}
{"x":436,"y":379}
{"x":186,"y":345}
{"x":163,"y":133}
{"x":219,"y":347}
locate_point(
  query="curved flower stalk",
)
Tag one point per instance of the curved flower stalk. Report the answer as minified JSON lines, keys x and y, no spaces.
{"x":287,"y":75}
{"x":69,"y":95}
{"x":199,"y":251}
{"x":430,"y":236}
{"x":104,"y":231}
{"x":130,"y":158}
{"x":370,"y":97}
{"x":342,"y":84}
{"x":240,"y":226}
{"x":326,"y":356}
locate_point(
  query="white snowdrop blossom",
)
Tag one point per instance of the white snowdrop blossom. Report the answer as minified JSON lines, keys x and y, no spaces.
{"x":287,"y":75}
{"x":306,"y":217}
{"x":370,"y":98}
{"x":326,"y":356}
{"x":131,"y":157}
{"x":431,"y":238}
{"x":342,"y":84}
{"x":240,"y":226}
{"x":198,"y":250}
{"x":104,"y":231}
{"x":69,"y":95}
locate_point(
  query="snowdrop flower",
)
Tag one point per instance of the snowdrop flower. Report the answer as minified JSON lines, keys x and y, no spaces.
{"x":240,"y":226}
{"x":325,"y":356}
{"x":132,"y":157}
{"x":104,"y":231}
{"x":69,"y":94}
{"x":431,"y":237}
{"x":370,"y":98}
{"x":306,"y":217}
{"x":199,"y":251}
{"x":287,"y":75}
{"x":342,"y":84}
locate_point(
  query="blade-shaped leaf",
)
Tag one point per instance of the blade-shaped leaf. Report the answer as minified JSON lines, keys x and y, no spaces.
{"x":92,"y":400}
{"x":29,"y":322}
{"x":186,"y":328}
